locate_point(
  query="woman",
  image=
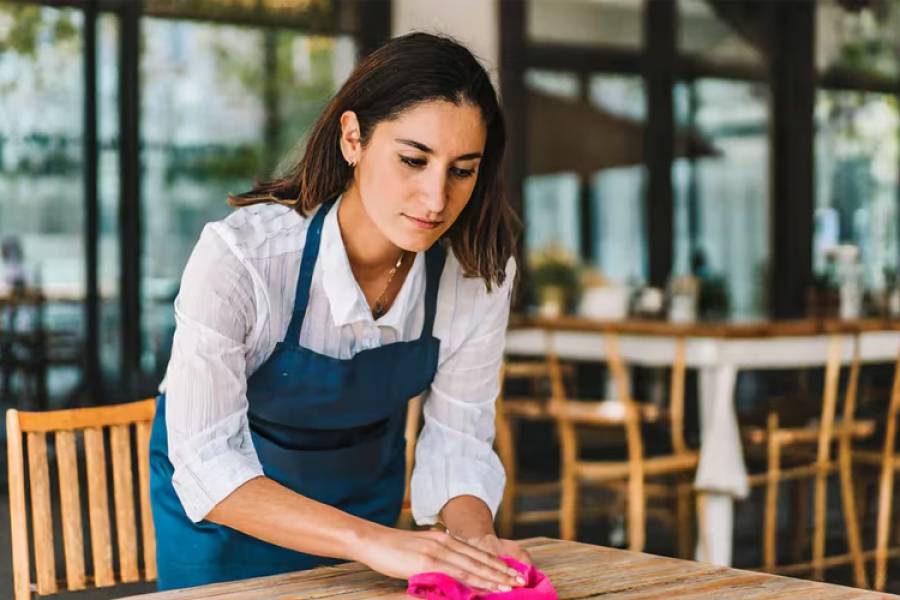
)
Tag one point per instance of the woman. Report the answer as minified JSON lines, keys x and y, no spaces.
{"x":379,"y":268}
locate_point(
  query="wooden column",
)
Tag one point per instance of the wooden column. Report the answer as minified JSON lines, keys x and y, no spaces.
{"x":271,"y":106}
{"x":791,"y":65}
{"x":92,"y":299}
{"x":129,"y":197}
{"x":660,"y":20}
{"x":585,"y":189}
{"x":513,"y":94}
{"x":373,"y":24}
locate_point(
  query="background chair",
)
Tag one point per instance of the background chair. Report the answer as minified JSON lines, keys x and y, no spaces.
{"x":542,"y":381}
{"x":629,"y":475}
{"x":889,"y":462}
{"x":804,"y":452}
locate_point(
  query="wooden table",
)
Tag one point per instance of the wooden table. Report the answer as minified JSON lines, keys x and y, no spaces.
{"x":718,"y":351}
{"x":577,"y":571}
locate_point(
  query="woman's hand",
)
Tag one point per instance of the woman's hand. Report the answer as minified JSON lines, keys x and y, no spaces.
{"x":500,"y":547}
{"x":402,"y":554}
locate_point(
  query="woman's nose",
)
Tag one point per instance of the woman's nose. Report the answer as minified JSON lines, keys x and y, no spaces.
{"x":435,"y":193}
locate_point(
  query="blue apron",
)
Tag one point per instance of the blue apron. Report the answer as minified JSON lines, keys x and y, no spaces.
{"x":327,"y":428}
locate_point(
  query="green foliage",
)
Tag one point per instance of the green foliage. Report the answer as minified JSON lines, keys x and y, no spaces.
{"x":214,"y":162}
{"x":24,"y":26}
{"x":298,"y":101}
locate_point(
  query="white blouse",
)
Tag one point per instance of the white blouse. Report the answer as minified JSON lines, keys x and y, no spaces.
{"x":234,"y":305}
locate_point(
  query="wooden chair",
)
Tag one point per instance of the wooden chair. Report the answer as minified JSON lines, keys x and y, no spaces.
{"x":630,"y":474}
{"x":69,"y":429}
{"x":544,"y":385}
{"x":889,"y":463}
{"x":799,"y":453}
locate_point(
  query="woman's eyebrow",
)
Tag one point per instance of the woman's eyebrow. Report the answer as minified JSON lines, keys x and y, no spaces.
{"x":427,"y":150}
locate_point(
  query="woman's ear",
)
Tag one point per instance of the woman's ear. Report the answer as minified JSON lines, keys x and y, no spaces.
{"x":350,"y":142}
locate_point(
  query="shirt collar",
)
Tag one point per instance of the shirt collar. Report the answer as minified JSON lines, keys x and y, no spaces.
{"x":346,"y":299}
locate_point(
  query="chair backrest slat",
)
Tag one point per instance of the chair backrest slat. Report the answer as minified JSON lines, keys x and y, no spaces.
{"x":70,"y":509}
{"x":98,"y":507}
{"x":143,"y":447}
{"x":17,"y":509}
{"x":123,"y":492}
{"x":41,"y":517}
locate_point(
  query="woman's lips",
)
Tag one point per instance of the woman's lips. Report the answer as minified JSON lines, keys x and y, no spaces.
{"x":423,"y":223}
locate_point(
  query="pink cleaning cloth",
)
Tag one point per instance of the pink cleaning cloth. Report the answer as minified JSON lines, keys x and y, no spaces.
{"x":440,"y":586}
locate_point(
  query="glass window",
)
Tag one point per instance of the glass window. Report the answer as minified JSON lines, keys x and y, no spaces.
{"x":221,"y":105}
{"x":109,"y":255}
{"x":551,"y":191}
{"x":721,"y":189}
{"x":589,"y":146}
{"x":41,"y":207}
{"x":857,"y":163}
{"x":617,"y":190}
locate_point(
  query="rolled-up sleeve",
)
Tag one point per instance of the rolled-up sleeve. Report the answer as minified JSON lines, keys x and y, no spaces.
{"x":454,"y":452}
{"x":209,"y":441}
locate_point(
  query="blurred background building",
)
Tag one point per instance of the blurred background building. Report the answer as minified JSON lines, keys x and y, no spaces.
{"x":751,"y":147}
{"x":649,"y":140}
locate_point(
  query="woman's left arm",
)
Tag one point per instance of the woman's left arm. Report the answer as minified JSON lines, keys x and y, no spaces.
{"x":458,"y":478}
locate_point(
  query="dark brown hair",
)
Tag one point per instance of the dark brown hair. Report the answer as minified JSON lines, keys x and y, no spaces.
{"x":402,"y":73}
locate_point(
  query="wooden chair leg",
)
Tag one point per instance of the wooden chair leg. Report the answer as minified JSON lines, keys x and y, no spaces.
{"x":845,"y":467}
{"x":506,"y":451}
{"x":851,"y":520}
{"x":885,"y":502}
{"x":636,"y":513}
{"x":773,"y":478}
{"x":702,"y":529}
{"x":820,"y":522}
{"x":568,"y":508}
{"x":823,"y":458}
{"x":801,"y":519}
{"x":568,"y":511}
{"x":683,"y":518}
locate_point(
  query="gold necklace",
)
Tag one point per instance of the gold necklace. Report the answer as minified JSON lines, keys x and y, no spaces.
{"x":379,"y":308}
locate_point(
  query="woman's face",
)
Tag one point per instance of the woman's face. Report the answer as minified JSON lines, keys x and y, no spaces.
{"x":418,"y":171}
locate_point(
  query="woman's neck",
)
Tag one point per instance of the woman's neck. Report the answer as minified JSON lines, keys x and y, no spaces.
{"x":370,"y":254}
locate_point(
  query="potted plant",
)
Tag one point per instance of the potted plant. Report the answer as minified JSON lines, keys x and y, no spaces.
{"x":555,"y":279}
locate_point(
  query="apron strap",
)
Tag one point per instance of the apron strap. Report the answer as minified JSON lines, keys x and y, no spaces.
{"x":434,"y":267}
{"x":307,"y":266}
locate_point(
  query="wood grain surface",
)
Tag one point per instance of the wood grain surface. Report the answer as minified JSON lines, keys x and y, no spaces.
{"x":578,"y":571}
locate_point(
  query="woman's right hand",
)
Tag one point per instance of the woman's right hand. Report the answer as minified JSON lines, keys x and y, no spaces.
{"x":402,"y":554}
